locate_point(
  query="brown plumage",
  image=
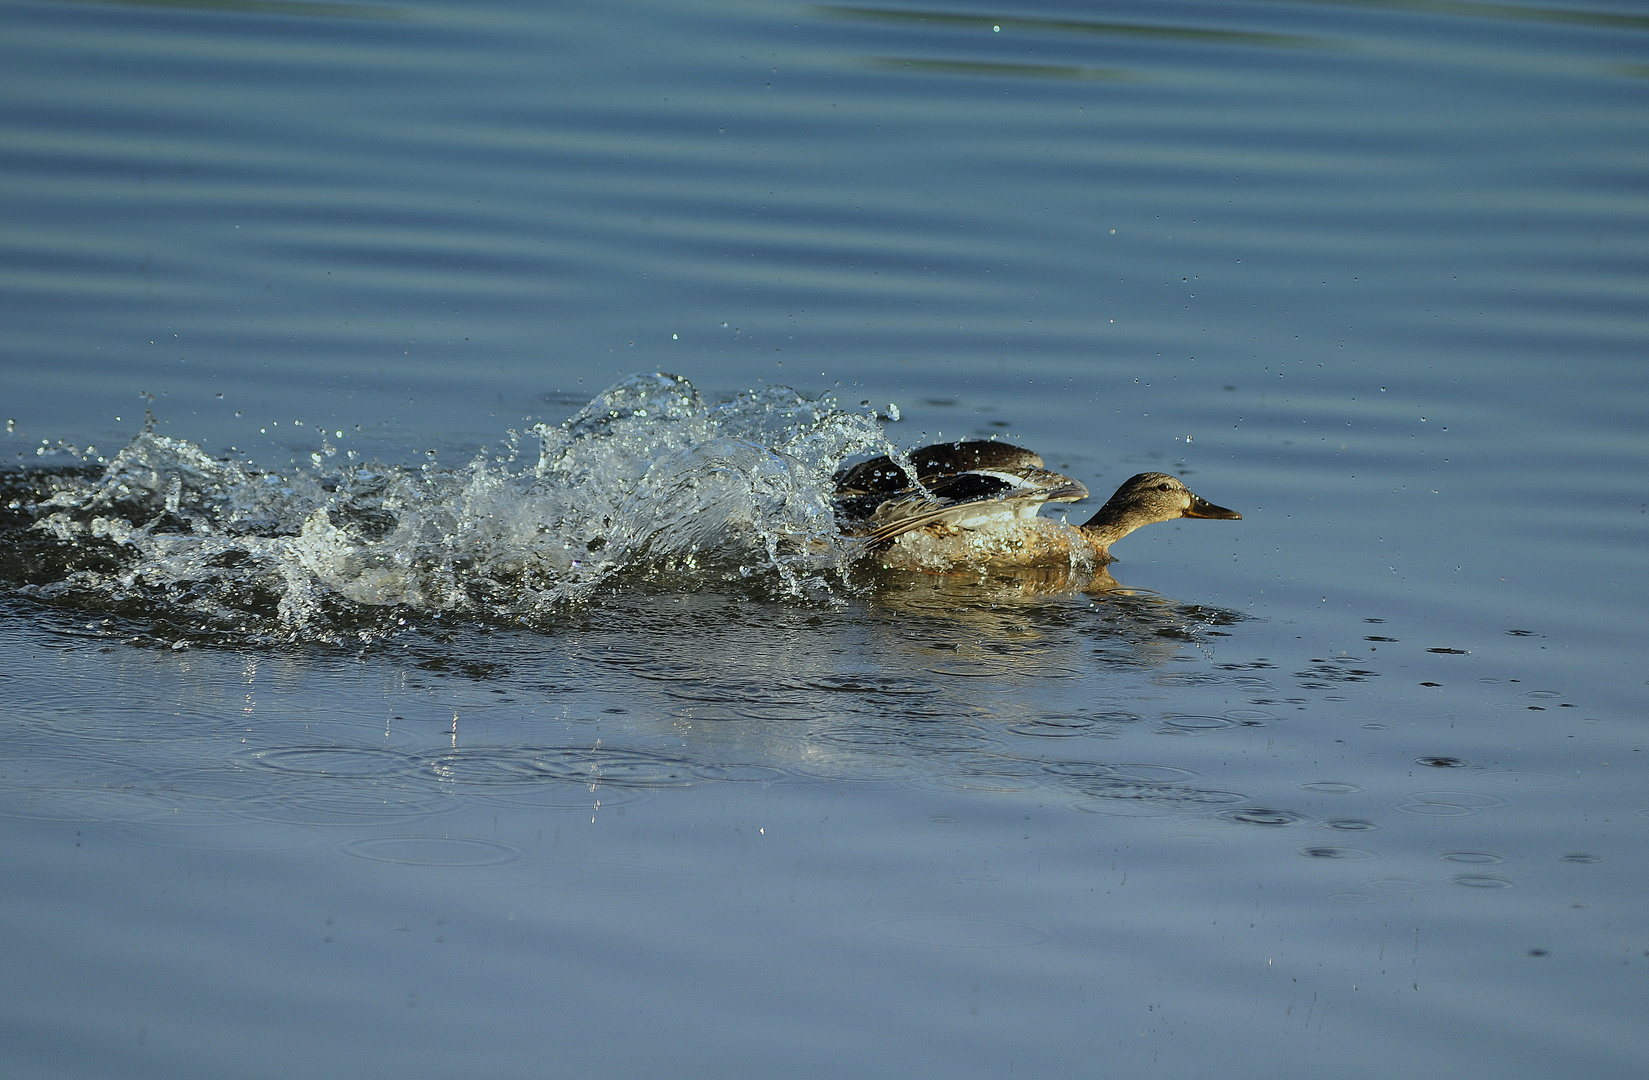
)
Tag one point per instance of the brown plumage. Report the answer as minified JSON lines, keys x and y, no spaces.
{"x":976,"y":507}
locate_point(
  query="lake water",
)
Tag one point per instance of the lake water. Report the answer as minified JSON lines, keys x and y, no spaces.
{"x":375,"y":704}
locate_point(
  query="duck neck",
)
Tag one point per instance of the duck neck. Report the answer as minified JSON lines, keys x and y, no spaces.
{"x":1109,"y":525}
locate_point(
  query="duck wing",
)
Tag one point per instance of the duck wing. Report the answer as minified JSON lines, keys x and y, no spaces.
{"x":882,"y":476}
{"x":970,"y":500}
{"x":972,"y":455}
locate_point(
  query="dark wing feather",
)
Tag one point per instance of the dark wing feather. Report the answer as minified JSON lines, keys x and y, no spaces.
{"x":880,"y":476}
{"x":948,"y":459}
{"x":972,"y":487}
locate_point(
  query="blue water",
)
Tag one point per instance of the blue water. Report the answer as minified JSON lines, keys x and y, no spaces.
{"x":1353,"y":784}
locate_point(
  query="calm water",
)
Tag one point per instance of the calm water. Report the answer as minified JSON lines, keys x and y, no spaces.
{"x":324,"y":757}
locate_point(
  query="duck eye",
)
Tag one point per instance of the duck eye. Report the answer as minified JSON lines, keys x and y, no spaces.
{"x":1165,"y":487}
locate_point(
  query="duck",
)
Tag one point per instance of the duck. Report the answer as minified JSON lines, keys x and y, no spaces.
{"x":975,"y":505}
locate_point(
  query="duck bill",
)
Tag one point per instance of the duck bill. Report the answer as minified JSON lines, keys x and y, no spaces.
{"x":1202,"y":508}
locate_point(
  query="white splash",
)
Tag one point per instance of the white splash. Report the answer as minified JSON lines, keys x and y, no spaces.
{"x":647,"y":479}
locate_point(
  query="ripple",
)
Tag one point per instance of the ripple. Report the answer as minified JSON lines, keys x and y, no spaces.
{"x":742,"y":696}
{"x":1054,"y":727}
{"x":1141,"y":772}
{"x":1349,"y":824}
{"x":1349,"y":854}
{"x":862,"y":736}
{"x":1448,"y":803}
{"x":709,"y":713}
{"x":1262,"y":815}
{"x":1332,"y":787}
{"x":1580,"y":857}
{"x":1153,"y":788}
{"x":975,"y":669}
{"x":940,"y":932}
{"x":341,"y":762}
{"x":1193,"y":725}
{"x":1476,"y":857}
{"x":431,"y":851}
{"x":949,"y":742}
{"x":1068,"y":725}
{"x":996,"y":783}
{"x":1483,"y":881}
{"x":935,"y":707}
{"x":1164,"y":795}
{"x":350,"y":805}
{"x":778,"y":712}
{"x":596,"y":766}
{"x":853,"y":752}
{"x":1189,"y":678}
{"x":869,"y":684}
{"x":657,"y":672}
{"x":1440,"y":762}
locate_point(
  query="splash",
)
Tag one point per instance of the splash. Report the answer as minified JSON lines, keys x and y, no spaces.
{"x":647,"y":481}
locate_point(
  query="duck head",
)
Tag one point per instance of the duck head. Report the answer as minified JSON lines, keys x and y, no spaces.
{"x":1147,"y":498}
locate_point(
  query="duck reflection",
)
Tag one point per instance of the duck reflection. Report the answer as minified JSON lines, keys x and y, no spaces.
{"x":1004,"y":682}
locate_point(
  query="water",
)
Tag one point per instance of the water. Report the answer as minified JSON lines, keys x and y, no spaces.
{"x":374,"y":702}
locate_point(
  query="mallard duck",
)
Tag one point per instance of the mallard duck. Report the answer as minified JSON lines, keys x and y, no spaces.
{"x":975,"y":505}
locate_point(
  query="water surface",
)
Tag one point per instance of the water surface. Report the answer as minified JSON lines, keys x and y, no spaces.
{"x":333,"y":732}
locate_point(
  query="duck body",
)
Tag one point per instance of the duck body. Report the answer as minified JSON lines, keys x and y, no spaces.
{"x":975,"y":506}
